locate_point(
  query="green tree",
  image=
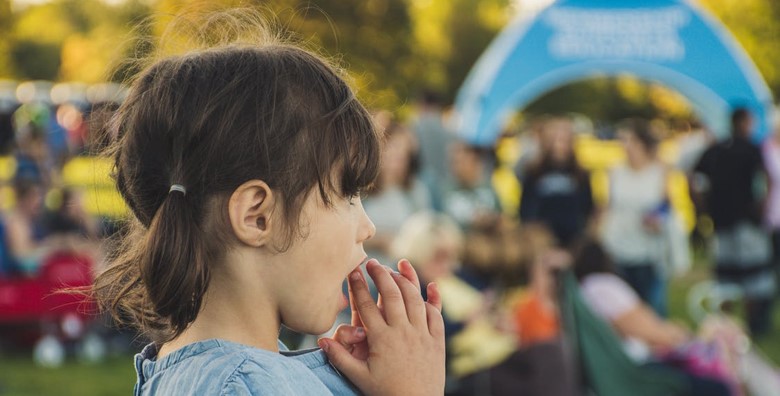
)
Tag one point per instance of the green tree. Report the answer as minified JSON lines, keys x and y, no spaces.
{"x":6,"y":30}
{"x":756,"y":25}
{"x":371,"y":38}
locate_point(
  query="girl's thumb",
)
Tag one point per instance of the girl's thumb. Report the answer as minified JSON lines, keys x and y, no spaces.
{"x":342,"y":360}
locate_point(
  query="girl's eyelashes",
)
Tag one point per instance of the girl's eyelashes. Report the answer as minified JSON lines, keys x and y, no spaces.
{"x":352,"y":197}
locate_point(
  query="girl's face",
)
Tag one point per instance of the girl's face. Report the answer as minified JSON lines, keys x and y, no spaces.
{"x":310,"y":284}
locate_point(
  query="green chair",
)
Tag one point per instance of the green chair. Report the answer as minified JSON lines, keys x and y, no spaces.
{"x":605,"y":368}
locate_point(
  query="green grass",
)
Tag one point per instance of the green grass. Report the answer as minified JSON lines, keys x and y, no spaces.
{"x":19,"y":376}
{"x":678,"y":310}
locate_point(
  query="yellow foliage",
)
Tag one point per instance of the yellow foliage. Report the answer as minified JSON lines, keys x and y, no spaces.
{"x":43,"y":24}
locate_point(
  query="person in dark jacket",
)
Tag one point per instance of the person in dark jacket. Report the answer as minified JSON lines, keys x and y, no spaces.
{"x":556,"y":189}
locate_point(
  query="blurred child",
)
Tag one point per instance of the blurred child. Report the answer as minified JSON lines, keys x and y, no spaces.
{"x":471,"y":199}
{"x":536,"y":311}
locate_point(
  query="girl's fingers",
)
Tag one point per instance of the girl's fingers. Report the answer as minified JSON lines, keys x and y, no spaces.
{"x":392,"y":300}
{"x":434,"y":296}
{"x":435,"y":321}
{"x":406,"y":269}
{"x":355,"y":369}
{"x":415,"y":306}
{"x":363,"y":302}
{"x":356,"y":321}
{"x":348,"y":336}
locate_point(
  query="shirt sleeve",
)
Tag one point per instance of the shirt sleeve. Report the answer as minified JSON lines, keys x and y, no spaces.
{"x":608,"y":295}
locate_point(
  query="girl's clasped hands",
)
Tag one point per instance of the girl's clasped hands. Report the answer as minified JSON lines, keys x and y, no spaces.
{"x":395,"y":345}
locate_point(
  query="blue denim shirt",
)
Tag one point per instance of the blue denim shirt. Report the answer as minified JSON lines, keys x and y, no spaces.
{"x":219,"y":367}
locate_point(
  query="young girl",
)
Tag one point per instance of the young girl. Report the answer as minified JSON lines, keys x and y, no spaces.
{"x":242,"y":165}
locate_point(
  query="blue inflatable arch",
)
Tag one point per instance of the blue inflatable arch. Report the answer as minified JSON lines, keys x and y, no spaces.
{"x":671,"y":42}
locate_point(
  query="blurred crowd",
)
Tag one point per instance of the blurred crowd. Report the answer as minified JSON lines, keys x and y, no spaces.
{"x":42,"y":128}
{"x":528,"y":292}
{"x":502,"y":270}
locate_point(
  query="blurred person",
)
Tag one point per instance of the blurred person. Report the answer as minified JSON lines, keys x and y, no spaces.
{"x":529,"y":142}
{"x":470,"y":198}
{"x":637,"y":226}
{"x":556,"y":190}
{"x":74,"y":124}
{"x":35,"y":160}
{"x":647,"y":338}
{"x":476,"y":341}
{"x":25,"y":232}
{"x":32,"y":159}
{"x":770,"y":150}
{"x":730,"y":186}
{"x":435,"y":140}
{"x":397,"y":193}
{"x":70,"y":217}
{"x":691,"y":145}
{"x":536,"y":316}
{"x":7,"y":108}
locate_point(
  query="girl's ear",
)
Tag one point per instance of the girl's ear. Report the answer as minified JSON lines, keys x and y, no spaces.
{"x":250,"y":208}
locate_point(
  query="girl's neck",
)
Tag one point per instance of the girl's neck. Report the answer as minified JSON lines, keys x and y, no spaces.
{"x":232,"y":314}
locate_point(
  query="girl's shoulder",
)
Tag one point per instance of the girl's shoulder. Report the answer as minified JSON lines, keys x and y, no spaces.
{"x":223,"y":368}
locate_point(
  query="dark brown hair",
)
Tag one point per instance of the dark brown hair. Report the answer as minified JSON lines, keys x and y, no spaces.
{"x":591,"y":258}
{"x":211,"y":120}
{"x":643,"y":131}
{"x":738,"y":118}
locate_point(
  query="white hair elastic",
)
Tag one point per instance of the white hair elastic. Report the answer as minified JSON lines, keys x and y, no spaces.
{"x":179,"y":188}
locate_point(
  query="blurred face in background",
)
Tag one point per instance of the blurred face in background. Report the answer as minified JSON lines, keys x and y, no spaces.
{"x":432,"y":243}
{"x":396,"y":156}
{"x":443,"y":259}
{"x":30,"y":200}
{"x":746,"y":125}
{"x":636,"y":150}
{"x":466,"y":165}
{"x":558,"y":135}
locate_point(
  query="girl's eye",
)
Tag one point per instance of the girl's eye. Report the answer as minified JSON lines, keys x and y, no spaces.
{"x":354,"y":197}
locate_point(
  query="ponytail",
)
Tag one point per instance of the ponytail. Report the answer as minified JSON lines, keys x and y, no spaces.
{"x":160,"y":273}
{"x":174,"y":262}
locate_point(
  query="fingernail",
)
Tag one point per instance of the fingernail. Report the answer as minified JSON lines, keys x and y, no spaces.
{"x":360,"y":331}
{"x":323,"y":344}
{"x":355,"y":275}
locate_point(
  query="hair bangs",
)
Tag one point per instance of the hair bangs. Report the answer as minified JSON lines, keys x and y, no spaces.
{"x":353,"y":150}
{"x":362,"y":151}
